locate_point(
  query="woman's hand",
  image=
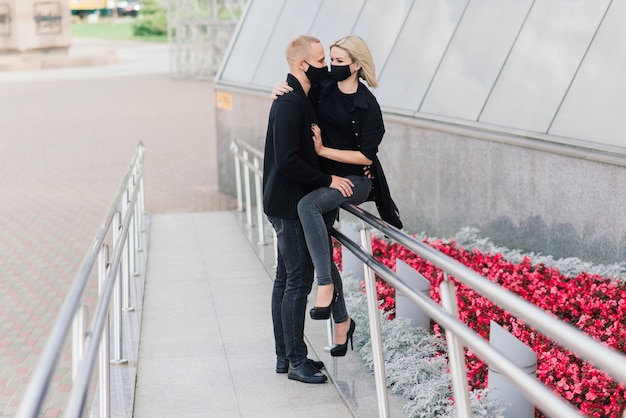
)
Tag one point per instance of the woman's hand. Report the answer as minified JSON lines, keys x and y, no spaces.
{"x":317,"y":139}
{"x":343,"y":184}
{"x":280,"y":89}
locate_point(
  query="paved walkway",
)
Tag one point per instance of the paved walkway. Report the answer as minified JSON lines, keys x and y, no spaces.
{"x":66,"y":138}
{"x":206,"y":347}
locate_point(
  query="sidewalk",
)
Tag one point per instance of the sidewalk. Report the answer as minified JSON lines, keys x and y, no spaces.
{"x":87,"y":59}
{"x":206,"y":347}
{"x":67,"y":136}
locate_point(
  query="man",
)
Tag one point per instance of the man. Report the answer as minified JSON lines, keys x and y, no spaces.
{"x":291,"y":171}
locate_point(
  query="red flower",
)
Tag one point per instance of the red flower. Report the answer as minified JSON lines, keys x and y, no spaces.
{"x":594,"y":304}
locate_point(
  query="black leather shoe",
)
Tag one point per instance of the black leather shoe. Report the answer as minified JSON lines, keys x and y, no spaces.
{"x":282,"y":365}
{"x":319,"y":365}
{"x":306,"y":373}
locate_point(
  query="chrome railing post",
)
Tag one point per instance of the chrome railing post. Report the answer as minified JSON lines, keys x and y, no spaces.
{"x":140,"y":211}
{"x":136,"y":220}
{"x":126,"y":259}
{"x":131,"y":234}
{"x":78,"y":338}
{"x":234,"y":148}
{"x":117,"y":298}
{"x":455,"y":352}
{"x":246,"y":181}
{"x":137,"y":231}
{"x":377,"y":344}
{"x":142,"y":206}
{"x":259,"y":201}
{"x":104,"y":383}
{"x":330,"y":332}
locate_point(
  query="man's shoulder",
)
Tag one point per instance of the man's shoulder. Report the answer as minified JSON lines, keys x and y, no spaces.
{"x":287,"y":108}
{"x":290,"y":100}
{"x":291,"y":97}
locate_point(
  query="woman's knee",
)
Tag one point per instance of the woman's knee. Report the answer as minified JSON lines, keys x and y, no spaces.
{"x":307,"y":206}
{"x":303,"y":205}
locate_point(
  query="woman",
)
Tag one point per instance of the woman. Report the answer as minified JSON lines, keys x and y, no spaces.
{"x":351,"y":129}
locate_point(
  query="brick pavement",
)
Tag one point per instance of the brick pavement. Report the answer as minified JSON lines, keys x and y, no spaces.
{"x":65,"y":144}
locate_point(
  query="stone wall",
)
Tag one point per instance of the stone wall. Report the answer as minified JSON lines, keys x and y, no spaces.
{"x":518,"y":194}
{"x":32,"y":25}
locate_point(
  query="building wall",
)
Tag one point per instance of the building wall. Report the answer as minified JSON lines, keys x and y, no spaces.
{"x":505,"y":115}
{"x":520,"y":192}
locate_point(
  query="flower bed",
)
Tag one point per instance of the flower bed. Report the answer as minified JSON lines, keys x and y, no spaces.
{"x":595,"y":304}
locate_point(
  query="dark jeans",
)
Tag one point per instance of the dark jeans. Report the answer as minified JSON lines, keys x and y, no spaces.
{"x":311,"y":210}
{"x":294,"y":279}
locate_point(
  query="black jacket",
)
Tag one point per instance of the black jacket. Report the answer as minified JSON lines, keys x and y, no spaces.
{"x":365,"y":119}
{"x":368,"y":130}
{"x":290,"y":167}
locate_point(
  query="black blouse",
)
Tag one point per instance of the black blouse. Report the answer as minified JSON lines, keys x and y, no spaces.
{"x":348,"y":122}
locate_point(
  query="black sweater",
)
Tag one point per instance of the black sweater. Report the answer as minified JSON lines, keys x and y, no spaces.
{"x":290,"y":167}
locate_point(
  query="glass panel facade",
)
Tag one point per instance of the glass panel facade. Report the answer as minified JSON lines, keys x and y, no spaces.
{"x":540,"y":66}
{"x":417,"y":52}
{"x":334,"y":20}
{"x":475,"y":57}
{"x":542,"y":63}
{"x":379,"y":24}
{"x":595,"y":107}
{"x":293,"y":19}
{"x":252,"y":37}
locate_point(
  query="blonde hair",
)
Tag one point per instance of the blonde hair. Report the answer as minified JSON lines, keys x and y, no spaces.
{"x":359,"y":53}
{"x":300,"y":48}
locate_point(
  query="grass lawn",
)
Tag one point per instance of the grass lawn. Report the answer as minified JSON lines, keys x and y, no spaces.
{"x":108,"y":29}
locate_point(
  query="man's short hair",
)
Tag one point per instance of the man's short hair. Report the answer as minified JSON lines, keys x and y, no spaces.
{"x":300,"y":48}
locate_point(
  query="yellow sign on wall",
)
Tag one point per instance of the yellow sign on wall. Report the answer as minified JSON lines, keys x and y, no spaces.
{"x":223,"y":100}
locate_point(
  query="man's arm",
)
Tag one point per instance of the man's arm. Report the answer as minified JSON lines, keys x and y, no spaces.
{"x":286,"y":152}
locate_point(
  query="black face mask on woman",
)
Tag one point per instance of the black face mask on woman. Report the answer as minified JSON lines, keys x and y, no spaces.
{"x":316,"y":75}
{"x":340,"y":72}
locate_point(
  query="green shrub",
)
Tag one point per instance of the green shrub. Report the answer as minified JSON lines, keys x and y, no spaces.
{"x":153,"y":19}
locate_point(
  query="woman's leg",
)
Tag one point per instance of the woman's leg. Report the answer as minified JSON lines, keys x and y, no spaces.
{"x":340,"y":312}
{"x":311,"y":210}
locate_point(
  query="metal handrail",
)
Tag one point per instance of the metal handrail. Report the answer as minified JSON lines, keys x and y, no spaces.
{"x":129,"y":200}
{"x":570,"y":337}
{"x":241,"y":152}
{"x":250,"y":149}
{"x":611,"y":361}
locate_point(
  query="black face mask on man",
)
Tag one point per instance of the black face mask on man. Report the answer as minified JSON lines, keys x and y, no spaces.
{"x":316,"y":75}
{"x":340,"y":72}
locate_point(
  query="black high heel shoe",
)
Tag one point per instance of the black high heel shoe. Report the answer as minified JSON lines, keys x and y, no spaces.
{"x":323,"y":312}
{"x":340,"y":350}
